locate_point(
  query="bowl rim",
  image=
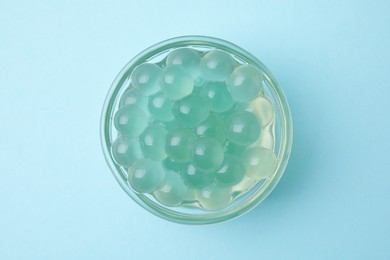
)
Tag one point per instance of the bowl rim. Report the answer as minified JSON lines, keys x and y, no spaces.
{"x":286,"y":130}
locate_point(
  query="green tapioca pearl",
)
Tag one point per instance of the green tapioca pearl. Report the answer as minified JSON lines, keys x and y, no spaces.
{"x":217,"y":96}
{"x":172,"y":190}
{"x":242,"y":128}
{"x":245,"y":83}
{"x":191,"y":110}
{"x":145,"y":175}
{"x":260,"y":162}
{"x":146,"y":79}
{"x":214,"y":197}
{"x":212,"y":127}
{"x":178,"y":144}
{"x":231,"y":171}
{"x":152,"y":142}
{"x":217,"y":65}
{"x":207,"y":154}
{"x":177,"y":82}
{"x":132,"y":97}
{"x":195,"y":178}
{"x":160,"y":107}
{"x":130,"y":120}
{"x":126,"y":150}
{"x":186,"y":57}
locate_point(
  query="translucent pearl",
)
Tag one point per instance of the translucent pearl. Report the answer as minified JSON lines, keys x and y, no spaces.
{"x":196,"y":179}
{"x":152,"y":142}
{"x":231,"y":172}
{"x":160,"y":107}
{"x":207,"y":154}
{"x":145,"y":175}
{"x":242,"y":128}
{"x":212,"y":127}
{"x":179,"y":143}
{"x":214,"y":197}
{"x":217,"y":96}
{"x":172,"y":191}
{"x":186,"y":57}
{"x":177,"y":82}
{"x":130,"y":120}
{"x":126,"y":151}
{"x":245,"y":83}
{"x":262,"y":107}
{"x":146,"y":79}
{"x":260,"y":162}
{"x":217,"y":65}
{"x":190,"y":111}
{"x":132,"y":97}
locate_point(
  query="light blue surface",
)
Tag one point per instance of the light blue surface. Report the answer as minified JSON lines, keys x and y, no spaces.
{"x":58,"y":199}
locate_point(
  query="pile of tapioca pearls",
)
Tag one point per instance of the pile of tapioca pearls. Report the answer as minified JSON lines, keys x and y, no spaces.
{"x":186,"y":126}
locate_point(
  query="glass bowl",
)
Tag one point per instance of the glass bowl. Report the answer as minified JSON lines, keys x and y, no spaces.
{"x":251,"y":192}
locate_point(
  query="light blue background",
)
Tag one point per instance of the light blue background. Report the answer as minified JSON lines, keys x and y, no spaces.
{"x":59,"y":200}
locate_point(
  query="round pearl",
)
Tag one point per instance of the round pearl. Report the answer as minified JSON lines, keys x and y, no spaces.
{"x":196,"y":179}
{"x":172,"y":191}
{"x":152,"y":142}
{"x":126,"y":150}
{"x":132,"y":97}
{"x":214,"y":197}
{"x":217,"y":96}
{"x":145,"y":175}
{"x":146,"y":79}
{"x":130,"y":120}
{"x":245,"y":83}
{"x":242,"y":128}
{"x":217,"y":65}
{"x":207,"y":154}
{"x":231,"y":172}
{"x":212,"y":127}
{"x":160,"y":107}
{"x":178,"y":144}
{"x":177,"y":82}
{"x":186,"y":57}
{"x":260,"y":162}
{"x":190,"y":111}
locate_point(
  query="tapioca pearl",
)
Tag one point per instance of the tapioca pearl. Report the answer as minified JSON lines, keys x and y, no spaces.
{"x":126,"y":150}
{"x":160,"y":107}
{"x":195,"y":178}
{"x":146,"y":79}
{"x":186,"y":57}
{"x":132,"y":97}
{"x":217,"y":65}
{"x":212,"y":127}
{"x":231,"y":171}
{"x":242,"y":128}
{"x":260,"y":162}
{"x":191,"y":111}
{"x":264,"y":109}
{"x":130,"y":120}
{"x":145,"y":175}
{"x":177,"y":82}
{"x":217,"y":96}
{"x":168,"y":125}
{"x":178,"y":144}
{"x":245,"y":83}
{"x":172,"y":190}
{"x":207,"y":154}
{"x":214,"y":197}
{"x":152,"y":142}
{"x":170,"y":165}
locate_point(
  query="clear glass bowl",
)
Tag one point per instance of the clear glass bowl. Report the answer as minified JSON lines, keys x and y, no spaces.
{"x":282,"y":131}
